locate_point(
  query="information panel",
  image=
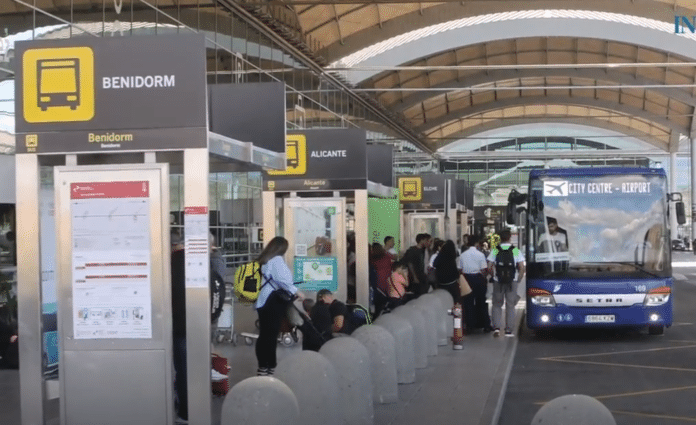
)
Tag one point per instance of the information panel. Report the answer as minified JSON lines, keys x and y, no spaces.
{"x":196,"y":246}
{"x":111,"y":260}
{"x":316,"y":273}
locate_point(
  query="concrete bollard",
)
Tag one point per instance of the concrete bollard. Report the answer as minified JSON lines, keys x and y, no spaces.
{"x":441,"y":317}
{"x":402,"y":331}
{"x":314,"y":381}
{"x":352,"y":363}
{"x":382,"y":348}
{"x":573,"y":409}
{"x":447,"y":304}
{"x":428,"y":311}
{"x":445,"y":297}
{"x":261,"y":400}
{"x":416,"y":319}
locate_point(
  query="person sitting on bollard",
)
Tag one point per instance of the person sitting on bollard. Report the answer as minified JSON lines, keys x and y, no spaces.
{"x":312,"y":338}
{"x":330,"y":314}
{"x":397,"y":284}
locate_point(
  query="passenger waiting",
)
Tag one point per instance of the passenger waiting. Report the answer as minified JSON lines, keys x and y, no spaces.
{"x":397,"y":284}
{"x":381,"y":261}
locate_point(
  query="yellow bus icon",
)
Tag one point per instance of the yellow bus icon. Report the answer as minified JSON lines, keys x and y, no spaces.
{"x":58,"y":84}
{"x":295,"y":156}
{"x":410,"y":188}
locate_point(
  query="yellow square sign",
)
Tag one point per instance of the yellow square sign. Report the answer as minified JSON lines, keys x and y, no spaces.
{"x":58,"y":84}
{"x":295,"y":156}
{"x":410,"y":189}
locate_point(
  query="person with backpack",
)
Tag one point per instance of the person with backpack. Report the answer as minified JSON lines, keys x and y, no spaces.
{"x":508,"y":264}
{"x":274,"y":297}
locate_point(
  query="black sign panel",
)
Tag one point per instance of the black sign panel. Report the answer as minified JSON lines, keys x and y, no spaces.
{"x":110,"y":88}
{"x":465,"y":193}
{"x":430,"y":188}
{"x":322,"y":159}
{"x":251,"y":112}
{"x":379,"y":164}
{"x":489,"y":213}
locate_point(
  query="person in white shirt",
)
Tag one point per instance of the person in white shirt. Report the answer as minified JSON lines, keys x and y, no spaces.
{"x":473,"y":265}
{"x":555,"y":240}
{"x":390,"y":248}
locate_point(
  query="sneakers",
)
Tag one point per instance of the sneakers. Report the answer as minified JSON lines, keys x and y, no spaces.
{"x":216,"y":376}
{"x":508,"y":333}
{"x":179,"y":421}
{"x":265,"y":371}
{"x":496,"y":333}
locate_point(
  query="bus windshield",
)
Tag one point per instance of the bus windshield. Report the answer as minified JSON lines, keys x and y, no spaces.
{"x":598,"y":225}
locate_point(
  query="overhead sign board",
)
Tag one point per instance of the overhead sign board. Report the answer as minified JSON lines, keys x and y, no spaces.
{"x":250,"y":112}
{"x":380,"y":158}
{"x":110,"y":94}
{"x":424,"y":191}
{"x":322,"y":159}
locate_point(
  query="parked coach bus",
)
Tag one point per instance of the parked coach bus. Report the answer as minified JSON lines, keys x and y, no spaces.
{"x":598,"y":248}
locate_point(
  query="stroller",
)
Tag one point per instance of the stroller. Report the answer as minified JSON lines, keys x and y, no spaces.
{"x":294,"y":320}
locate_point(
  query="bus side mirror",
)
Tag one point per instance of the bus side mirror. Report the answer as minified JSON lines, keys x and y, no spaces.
{"x":510,"y":213}
{"x":681,"y":215}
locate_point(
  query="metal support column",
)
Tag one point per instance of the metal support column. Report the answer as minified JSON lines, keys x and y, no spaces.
{"x":31,"y":383}
{"x":693,"y":193}
{"x":362,"y":277}
{"x":674,"y":226}
{"x":268,"y":201}
{"x":197,"y":301}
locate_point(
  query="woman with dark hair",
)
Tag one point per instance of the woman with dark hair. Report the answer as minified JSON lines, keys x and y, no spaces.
{"x":381,"y":261}
{"x":271,"y":305}
{"x":446,"y":269}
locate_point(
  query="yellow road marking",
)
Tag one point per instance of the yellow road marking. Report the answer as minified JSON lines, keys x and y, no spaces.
{"x":651,"y":415}
{"x":678,"y":369}
{"x":663,"y":390}
{"x":618,"y":352}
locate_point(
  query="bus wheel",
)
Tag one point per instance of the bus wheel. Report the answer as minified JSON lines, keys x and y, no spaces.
{"x":656,"y":330}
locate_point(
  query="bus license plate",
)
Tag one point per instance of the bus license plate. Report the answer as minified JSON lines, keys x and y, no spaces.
{"x":600,"y":318}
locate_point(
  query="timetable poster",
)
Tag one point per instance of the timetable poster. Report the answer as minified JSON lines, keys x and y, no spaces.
{"x":111,"y":260}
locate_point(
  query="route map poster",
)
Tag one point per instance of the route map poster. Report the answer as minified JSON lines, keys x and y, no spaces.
{"x":111,"y":268}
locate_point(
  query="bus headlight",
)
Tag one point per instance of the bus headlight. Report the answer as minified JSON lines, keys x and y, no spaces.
{"x":541,"y":297}
{"x":657,"y":296}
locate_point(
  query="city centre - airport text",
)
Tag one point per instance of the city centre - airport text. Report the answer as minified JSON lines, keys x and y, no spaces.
{"x":138,"y":81}
{"x":109,"y":138}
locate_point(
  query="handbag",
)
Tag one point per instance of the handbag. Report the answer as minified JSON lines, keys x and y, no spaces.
{"x":464,"y":288}
{"x":282,"y":293}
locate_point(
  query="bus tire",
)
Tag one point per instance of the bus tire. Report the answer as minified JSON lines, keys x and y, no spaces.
{"x":656,"y":330}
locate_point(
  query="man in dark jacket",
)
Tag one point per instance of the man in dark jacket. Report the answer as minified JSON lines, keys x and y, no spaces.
{"x":178,"y":265}
{"x":414,"y":258}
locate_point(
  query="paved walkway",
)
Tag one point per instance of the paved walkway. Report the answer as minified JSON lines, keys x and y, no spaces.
{"x":466,"y":386}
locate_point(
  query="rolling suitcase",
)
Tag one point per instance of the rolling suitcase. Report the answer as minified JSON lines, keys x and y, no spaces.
{"x":219,"y":363}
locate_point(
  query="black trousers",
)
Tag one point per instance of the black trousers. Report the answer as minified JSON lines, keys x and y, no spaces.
{"x":475,"y":315}
{"x":270,"y":318}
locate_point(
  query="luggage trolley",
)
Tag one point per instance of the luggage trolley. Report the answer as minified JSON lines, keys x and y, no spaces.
{"x":225,"y":325}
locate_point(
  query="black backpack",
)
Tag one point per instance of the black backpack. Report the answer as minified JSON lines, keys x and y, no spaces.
{"x":505,"y":265}
{"x":217,"y":295}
